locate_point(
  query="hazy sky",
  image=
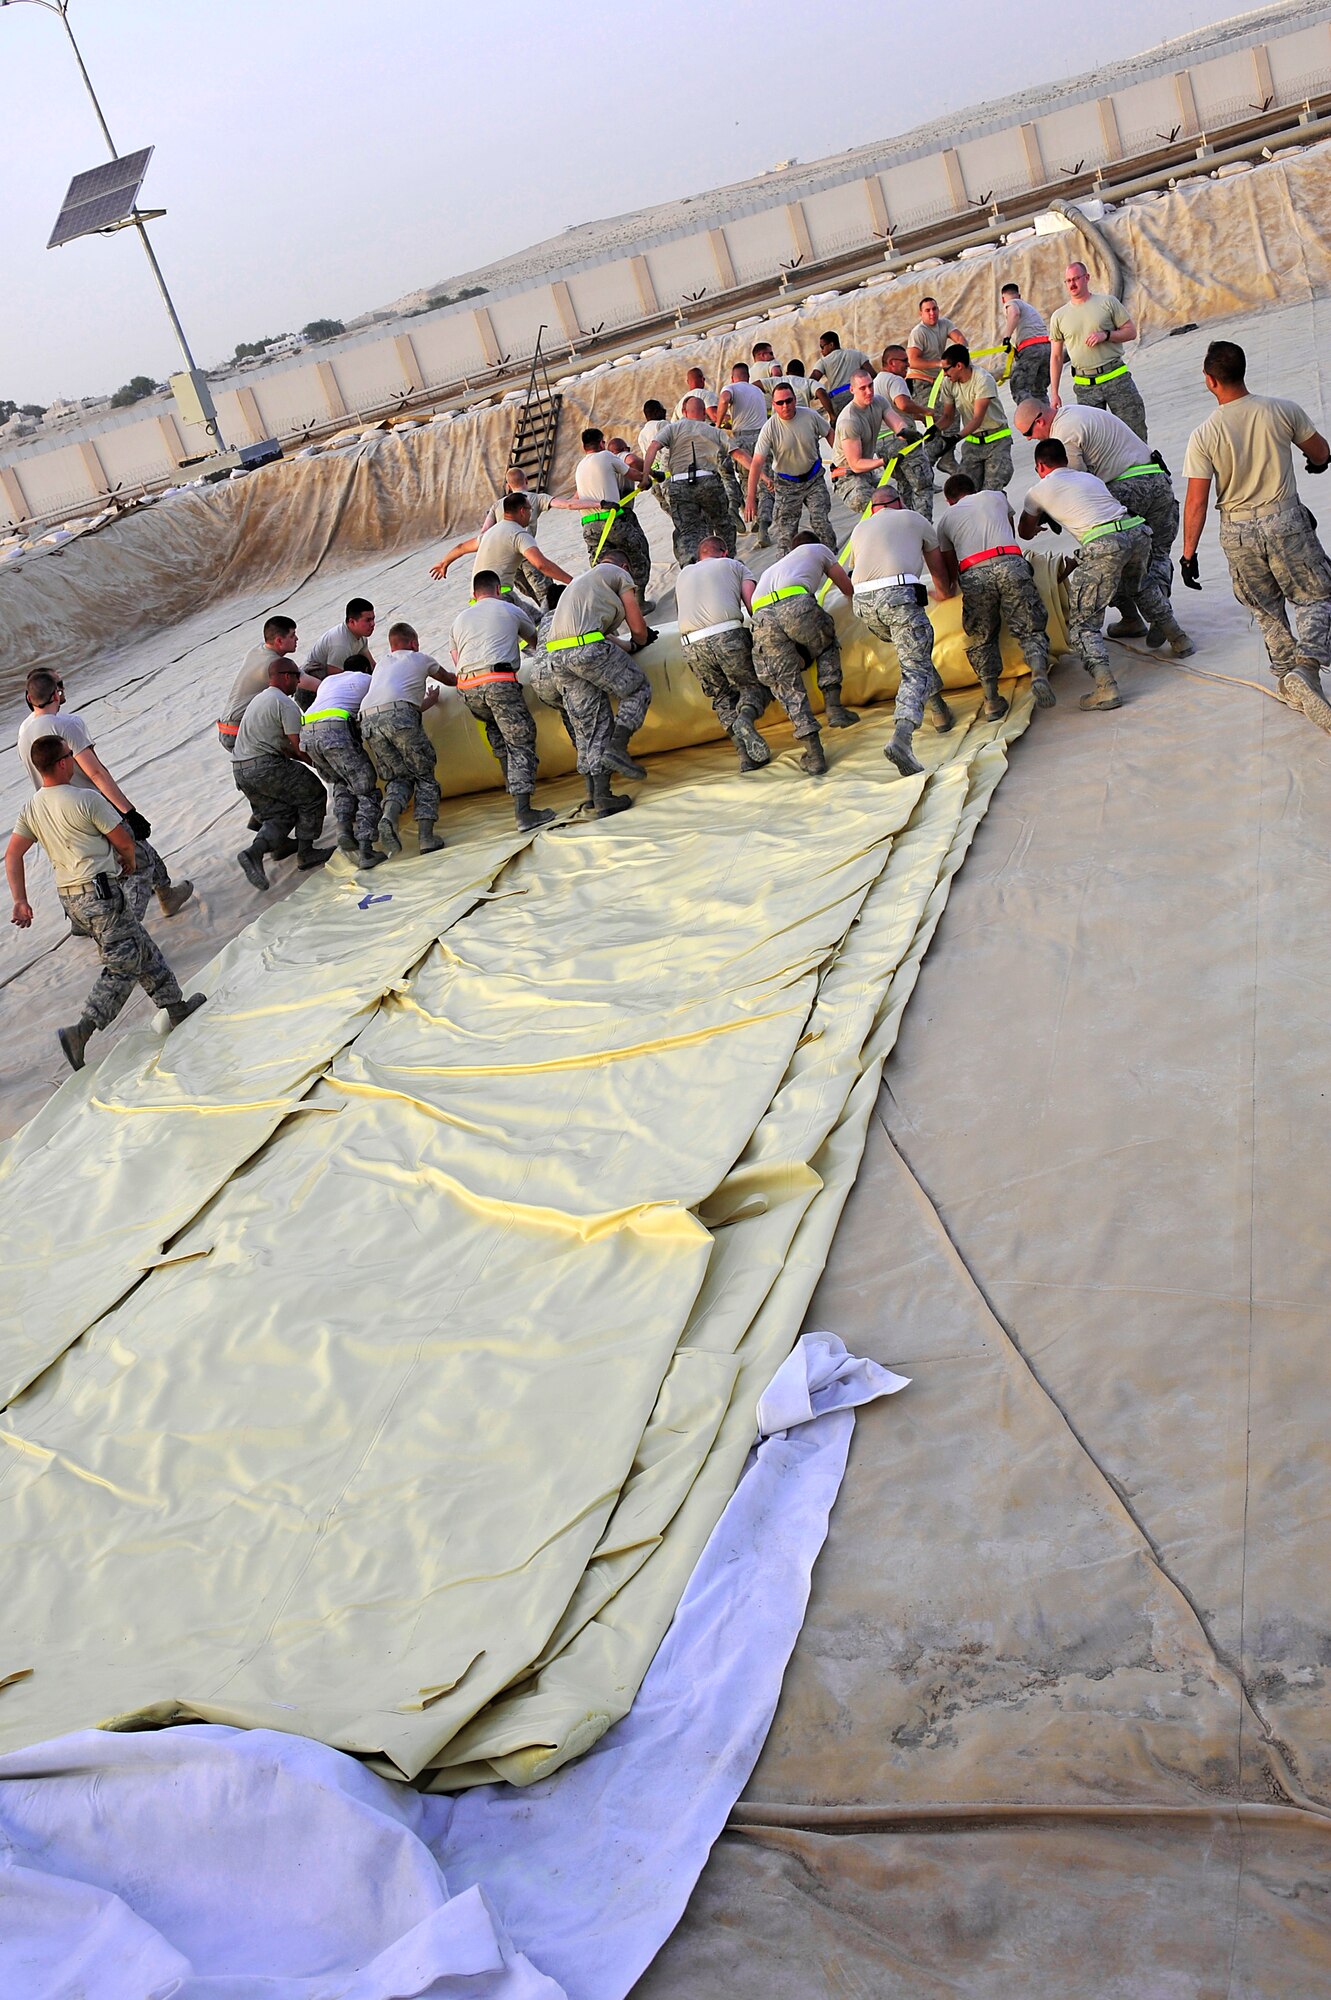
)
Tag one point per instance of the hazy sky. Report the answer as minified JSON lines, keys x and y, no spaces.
{"x":321,"y":157}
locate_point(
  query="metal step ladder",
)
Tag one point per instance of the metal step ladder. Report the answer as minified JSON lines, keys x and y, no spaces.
{"x":537,"y":431}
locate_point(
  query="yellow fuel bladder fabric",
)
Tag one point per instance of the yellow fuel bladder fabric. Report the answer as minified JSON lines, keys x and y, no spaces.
{"x":495,"y":1205}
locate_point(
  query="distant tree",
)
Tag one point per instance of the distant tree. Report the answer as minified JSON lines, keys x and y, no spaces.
{"x":134,"y":391}
{"x":33,"y":409}
{"x":323,"y":329}
{"x":7,"y":410}
{"x":246,"y":348}
{"x":454,"y":298}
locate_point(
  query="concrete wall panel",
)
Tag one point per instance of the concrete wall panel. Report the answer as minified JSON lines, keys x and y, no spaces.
{"x":290,"y":402}
{"x":606,"y":296}
{"x":1145,"y":111}
{"x":916,"y":191}
{"x":760,"y":244}
{"x":1225,"y":89}
{"x":57,"y":479}
{"x":517,"y":321}
{"x":137,"y":453}
{"x":994,"y":165}
{"x":1300,"y":62}
{"x":838,"y":218}
{"x":369,"y":376}
{"x":1069,"y":136}
{"x":682,"y":267}
{"x":448,"y":346}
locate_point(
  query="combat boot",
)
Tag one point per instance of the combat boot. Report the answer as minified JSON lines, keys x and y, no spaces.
{"x":1040,"y":688}
{"x":1105,"y":692}
{"x":308,"y":856}
{"x":814,"y":760}
{"x":174,"y":896}
{"x":1301,"y":688}
{"x":753,"y":751}
{"x":75,"y":1040}
{"x":618,"y":754}
{"x":389,"y":839}
{"x":251,"y":863}
{"x":347,"y":841}
{"x":368,"y":855}
{"x":899,"y":752}
{"x":428,"y":840}
{"x":1131,"y":625}
{"x":528,"y":816}
{"x":938,"y":713}
{"x":995,"y":705}
{"x":182,"y":1009}
{"x":604,"y":801}
{"x":836,"y":714}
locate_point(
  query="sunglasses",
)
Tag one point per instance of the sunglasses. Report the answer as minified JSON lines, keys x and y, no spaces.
{"x":1029,"y":433}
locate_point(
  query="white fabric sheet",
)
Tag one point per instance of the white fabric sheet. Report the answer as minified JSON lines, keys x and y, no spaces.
{"x":207,"y":1863}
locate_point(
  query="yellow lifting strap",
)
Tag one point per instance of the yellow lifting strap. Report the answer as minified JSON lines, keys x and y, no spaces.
{"x":621,"y":506}
{"x":883,"y":478}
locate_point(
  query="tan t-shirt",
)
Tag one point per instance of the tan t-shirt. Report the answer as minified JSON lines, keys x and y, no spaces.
{"x":538,"y":502}
{"x":593,"y":602}
{"x":251,"y":680}
{"x":1076,"y":500}
{"x":709,"y":592}
{"x":862,"y":422}
{"x":891,"y":542}
{"x":487,"y":634}
{"x":75,"y":732}
{"x":975,"y":524}
{"x":501,"y":549}
{"x":269,"y":719}
{"x":840,"y":365}
{"x":965,"y":395}
{"x":599,"y":478}
{"x":688,"y":444}
{"x":1245,"y":447}
{"x":931,"y":340}
{"x":71,"y":825}
{"x":791,"y":443}
{"x":1030,"y":325}
{"x":807,"y":566}
{"x":1097,"y":441}
{"x":1071,"y":323}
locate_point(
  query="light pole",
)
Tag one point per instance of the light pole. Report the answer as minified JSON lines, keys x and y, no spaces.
{"x":60,"y":8}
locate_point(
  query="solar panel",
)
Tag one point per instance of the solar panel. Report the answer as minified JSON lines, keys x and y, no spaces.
{"x":100,"y":198}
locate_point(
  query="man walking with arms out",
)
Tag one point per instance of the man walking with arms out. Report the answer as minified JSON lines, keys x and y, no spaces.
{"x":1090,"y":331}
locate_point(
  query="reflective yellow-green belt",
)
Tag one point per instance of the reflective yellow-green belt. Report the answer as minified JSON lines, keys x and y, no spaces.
{"x":775,"y":596}
{"x":505,"y":590}
{"x":1112,"y":528}
{"x":1094,"y":381}
{"x":988,"y":437}
{"x":561,"y":645}
{"x":609,"y":513}
{"x":328,"y":715}
{"x":1138,"y":471}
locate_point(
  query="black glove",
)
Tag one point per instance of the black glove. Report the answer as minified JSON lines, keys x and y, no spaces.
{"x":137,"y":824}
{"x":1187,"y":569}
{"x":1156,"y":459}
{"x":1308,"y":466}
{"x":1054,"y":527}
{"x":1007,"y":347}
{"x":638,"y":645}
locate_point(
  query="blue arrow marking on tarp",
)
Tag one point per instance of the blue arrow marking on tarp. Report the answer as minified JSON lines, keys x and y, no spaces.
{"x":366,"y":901}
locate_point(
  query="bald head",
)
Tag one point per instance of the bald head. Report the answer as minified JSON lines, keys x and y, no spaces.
{"x":710,"y":547}
{"x":695,"y":378}
{"x":1033,"y":417}
{"x":695,"y":408}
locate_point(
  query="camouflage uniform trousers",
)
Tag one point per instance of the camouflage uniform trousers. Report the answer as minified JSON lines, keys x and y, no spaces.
{"x":1151,"y":495}
{"x":283,"y":794}
{"x":542,"y":678}
{"x":787,"y":637}
{"x":129,"y":956}
{"x":989,"y":465}
{"x":747,"y":441}
{"x":791,"y":498}
{"x":587,"y":677}
{"x":1105,"y":567}
{"x":1121,"y":397}
{"x":624,"y":539}
{"x":1002,"y":592}
{"x":701,"y":509}
{"x":913,"y":475}
{"x":336,"y":752}
{"x":403,"y":755}
{"x":723,"y":663}
{"x":897,"y":615}
{"x":510,"y":730}
{"x":1030,"y":374}
{"x":1276,"y":561}
{"x":150,"y":874}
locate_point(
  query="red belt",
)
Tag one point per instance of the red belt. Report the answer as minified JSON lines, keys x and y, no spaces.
{"x":1008,"y":549}
{"x":1036,"y":340}
{"x":485,"y":678}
